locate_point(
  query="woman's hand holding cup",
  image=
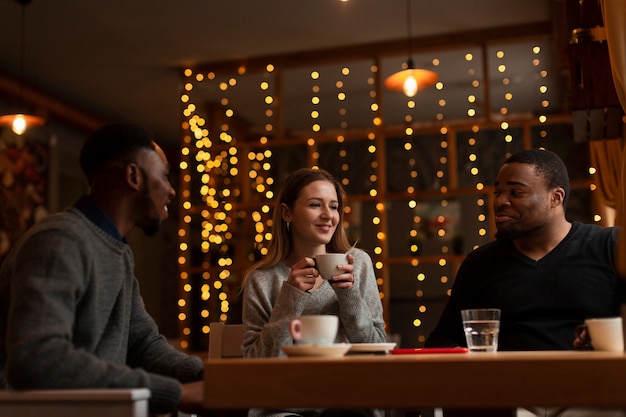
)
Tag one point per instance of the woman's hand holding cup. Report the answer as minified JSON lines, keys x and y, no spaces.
{"x":303,"y":274}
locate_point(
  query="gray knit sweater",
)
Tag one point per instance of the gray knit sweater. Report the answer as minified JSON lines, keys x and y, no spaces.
{"x":270,"y":303}
{"x":71,"y":316}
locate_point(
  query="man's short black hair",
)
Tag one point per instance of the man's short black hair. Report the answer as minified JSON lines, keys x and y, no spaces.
{"x":547,"y":164}
{"x":113,"y":142}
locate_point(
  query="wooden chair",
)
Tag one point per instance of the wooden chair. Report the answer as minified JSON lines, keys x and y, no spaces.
{"x":75,"y":403}
{"x":225,"y":340}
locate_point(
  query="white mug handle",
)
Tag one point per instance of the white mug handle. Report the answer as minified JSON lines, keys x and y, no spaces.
{"x":295,"y":329}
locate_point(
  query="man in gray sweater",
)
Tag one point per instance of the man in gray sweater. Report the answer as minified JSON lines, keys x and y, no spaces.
{"x":71,"y":315}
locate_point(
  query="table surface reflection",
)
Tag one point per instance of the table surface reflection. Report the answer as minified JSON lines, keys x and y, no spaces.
{"x":413,"y":381}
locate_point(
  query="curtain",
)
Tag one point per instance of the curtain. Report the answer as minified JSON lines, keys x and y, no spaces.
{"x":606,"y":156}
{"x":614,"y":17}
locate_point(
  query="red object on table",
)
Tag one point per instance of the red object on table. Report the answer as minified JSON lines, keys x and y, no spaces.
{"x":429,"y":350}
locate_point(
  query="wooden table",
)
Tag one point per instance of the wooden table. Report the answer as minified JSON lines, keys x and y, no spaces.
{"x":470,"y":380}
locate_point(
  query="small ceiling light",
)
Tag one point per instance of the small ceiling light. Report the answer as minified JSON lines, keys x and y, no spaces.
{"x":19,"y":121}
{"x":410,"y":80}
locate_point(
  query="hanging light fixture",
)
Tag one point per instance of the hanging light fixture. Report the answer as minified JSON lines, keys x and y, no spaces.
{"x":20,"y":121}
{"x":411,"y":79}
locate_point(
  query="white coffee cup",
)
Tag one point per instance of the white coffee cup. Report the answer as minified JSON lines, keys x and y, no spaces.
{"x":315,"y":329}
{"x":326,"y":264}
{"x":606,"y":334}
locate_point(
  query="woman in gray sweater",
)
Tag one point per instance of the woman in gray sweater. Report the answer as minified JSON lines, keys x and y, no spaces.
{"x":307,"y":221}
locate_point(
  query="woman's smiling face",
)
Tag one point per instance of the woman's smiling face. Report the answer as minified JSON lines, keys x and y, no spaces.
{"x":315,"y":214}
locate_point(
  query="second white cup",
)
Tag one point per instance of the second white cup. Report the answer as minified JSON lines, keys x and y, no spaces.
{"x":606,"y":334}
{"x":314,"y":330}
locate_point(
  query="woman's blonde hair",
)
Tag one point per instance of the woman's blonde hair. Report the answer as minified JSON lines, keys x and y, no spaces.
{"x":281,"y":244}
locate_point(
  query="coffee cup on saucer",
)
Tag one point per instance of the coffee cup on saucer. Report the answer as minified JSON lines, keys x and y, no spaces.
{"x":318,"y":330}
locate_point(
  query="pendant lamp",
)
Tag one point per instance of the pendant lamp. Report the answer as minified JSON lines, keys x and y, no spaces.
{"x":20,"y":121}
{"x":410,"y":80}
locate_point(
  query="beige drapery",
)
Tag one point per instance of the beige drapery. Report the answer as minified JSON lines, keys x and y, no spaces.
{"x":614,"y":17}
{"x":606,"y":156}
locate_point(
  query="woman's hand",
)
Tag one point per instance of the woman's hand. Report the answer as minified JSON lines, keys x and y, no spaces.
{"x":303,"y":274}
{"x":346,"y":279}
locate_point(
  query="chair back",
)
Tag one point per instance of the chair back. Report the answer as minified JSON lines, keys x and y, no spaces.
{"x":225,"y":340}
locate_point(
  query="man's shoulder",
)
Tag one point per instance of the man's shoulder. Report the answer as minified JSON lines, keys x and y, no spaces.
{"x":64,"y":221}
{"x":69,"y":225}
{"x":590,"y":229}
{"x":490,"y":248}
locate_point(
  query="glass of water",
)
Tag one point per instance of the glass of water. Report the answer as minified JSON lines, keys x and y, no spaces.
{"x":482,"y":326}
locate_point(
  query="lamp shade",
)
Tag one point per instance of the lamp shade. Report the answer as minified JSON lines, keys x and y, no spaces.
{"x":411,"y":80}
{"x":20,"y":122}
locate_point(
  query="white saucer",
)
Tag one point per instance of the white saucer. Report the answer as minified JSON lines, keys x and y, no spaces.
{"x":371,"y":347}
{"x":337,"y":349}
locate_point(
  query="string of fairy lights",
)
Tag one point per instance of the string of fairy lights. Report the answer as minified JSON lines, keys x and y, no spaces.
{"x":227,"y":179}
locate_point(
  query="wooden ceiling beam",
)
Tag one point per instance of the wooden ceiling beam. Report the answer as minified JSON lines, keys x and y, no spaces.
{"x":41,"y":102}
{"x":382,"y":49}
